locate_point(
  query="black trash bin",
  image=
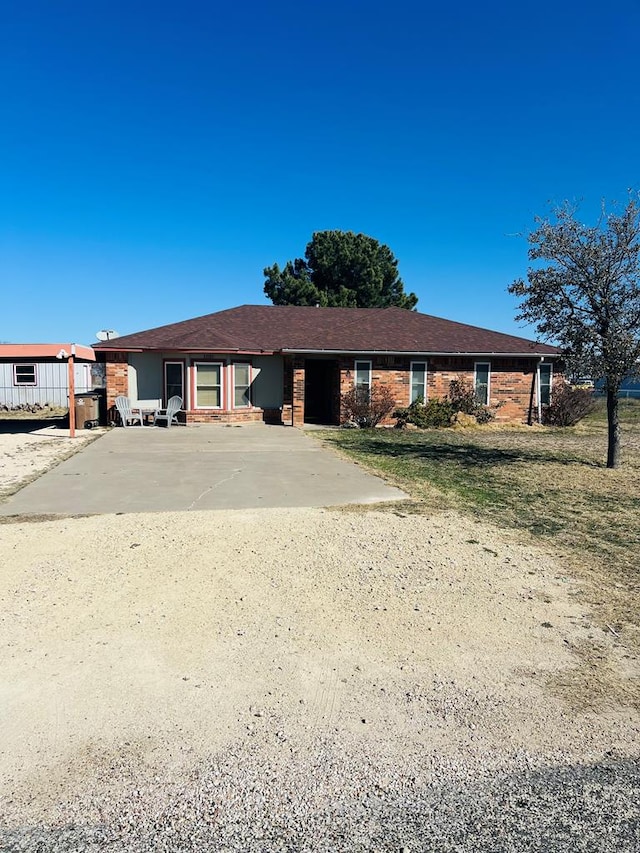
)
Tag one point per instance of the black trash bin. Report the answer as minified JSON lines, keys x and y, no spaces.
{"x":87,"y":409}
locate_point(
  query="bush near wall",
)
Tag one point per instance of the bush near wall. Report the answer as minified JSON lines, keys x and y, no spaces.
{"x":367,"y":407}
{"x":442,"y":412}
{"x":432,"y":414}
{"x":569,"y":405}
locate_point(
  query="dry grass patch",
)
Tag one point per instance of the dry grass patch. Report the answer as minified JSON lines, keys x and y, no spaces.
{"x":549,"y":484}
{"x":598,"y":680}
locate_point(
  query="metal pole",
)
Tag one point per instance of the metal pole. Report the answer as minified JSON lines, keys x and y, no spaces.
{"x":72,"y":393}
{"x":538,"y":391}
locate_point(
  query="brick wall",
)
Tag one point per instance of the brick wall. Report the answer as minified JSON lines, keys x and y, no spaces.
{"x":511,"y":384}
{"x":298,"y":392}
{"x":287,"y":391}
{"x":293,"y":391}
{"x":117,"y":377}
{"x":388,"y":371}
{"x":237,"y":416}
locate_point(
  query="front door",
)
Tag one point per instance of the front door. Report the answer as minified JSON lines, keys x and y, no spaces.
{"x":321,"y":378}
{"x":174,"y":381}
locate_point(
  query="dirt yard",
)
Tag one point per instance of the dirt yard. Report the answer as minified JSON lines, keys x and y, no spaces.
{"x":320,"y":662}
{"x":25,"y":455}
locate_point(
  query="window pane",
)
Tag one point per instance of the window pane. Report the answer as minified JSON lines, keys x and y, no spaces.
{"x":242,"y":380}
{"x":241,"y":397}
{"x":25,"y":374}
{"x":209,"y":397}
{"x":208,"y":385}
{"x":482,"y":383}
{"x":418,"y":374}
{"x":545,"y":384}
{"x":363,"y":370}
{"x":242,"y":374}
{"x":208,"y":374}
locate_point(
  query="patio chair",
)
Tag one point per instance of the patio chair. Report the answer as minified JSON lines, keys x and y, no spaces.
{"x":170,"y":414}
{"x":127,"y":412}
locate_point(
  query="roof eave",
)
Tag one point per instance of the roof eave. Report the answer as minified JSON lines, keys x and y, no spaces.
{"x":187,"y":350}
{"x":500,"y":353}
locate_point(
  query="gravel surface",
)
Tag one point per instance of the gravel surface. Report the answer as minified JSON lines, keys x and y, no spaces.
{"x":301,"y":680}
{"x":323,"y":798}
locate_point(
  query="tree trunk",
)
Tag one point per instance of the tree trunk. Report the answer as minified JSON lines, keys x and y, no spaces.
{"x":613,"y":446}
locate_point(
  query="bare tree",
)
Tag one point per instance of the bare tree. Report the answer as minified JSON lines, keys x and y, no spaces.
{"x":587,"y":297}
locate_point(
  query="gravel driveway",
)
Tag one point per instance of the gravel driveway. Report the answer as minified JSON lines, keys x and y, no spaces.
{"x":301,"y":679}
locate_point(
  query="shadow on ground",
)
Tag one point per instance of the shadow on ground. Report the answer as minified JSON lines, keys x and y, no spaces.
{"x":466,"y":455}
{"x":325,"y":802}
{"x":20,"y":426}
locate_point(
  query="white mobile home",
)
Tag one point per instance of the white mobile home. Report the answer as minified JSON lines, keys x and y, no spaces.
{"x":33,"y":374}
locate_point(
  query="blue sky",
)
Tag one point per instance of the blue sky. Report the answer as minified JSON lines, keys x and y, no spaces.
{"x":155,"y":157}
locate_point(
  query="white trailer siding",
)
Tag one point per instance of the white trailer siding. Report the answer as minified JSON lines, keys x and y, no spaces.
{"x":50,"y":385}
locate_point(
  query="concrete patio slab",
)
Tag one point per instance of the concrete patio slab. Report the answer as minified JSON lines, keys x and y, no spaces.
{"x":198,"y":467}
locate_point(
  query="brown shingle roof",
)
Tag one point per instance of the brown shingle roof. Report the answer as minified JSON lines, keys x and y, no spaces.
{"x":275,"y":328}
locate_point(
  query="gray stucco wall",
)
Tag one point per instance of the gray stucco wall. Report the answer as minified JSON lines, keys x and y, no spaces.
{"x":146,"y":376}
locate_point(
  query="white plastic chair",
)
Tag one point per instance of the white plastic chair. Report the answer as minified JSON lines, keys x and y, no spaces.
{"x":170,"y":414}
{"x":127,"y":412}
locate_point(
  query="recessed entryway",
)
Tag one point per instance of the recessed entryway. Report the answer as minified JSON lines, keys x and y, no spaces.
{"x":321,"y":391}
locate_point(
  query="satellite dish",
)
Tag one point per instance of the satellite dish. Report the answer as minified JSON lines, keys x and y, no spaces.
{"x":106,"y":334}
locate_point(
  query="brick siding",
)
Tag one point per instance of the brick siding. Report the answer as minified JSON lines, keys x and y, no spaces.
{"x":298,"y":392}
{"x":236,"y":416}
{"x":117,"y":374}
{"x":512,"y":386}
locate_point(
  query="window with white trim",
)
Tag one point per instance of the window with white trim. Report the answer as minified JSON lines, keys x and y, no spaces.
{"x":24,"y":374}
{"x":363,"y":375}
{"x":418,"y":381}
{"x":208,"y":382}
{"x":545,"y":376}
{"x":241,"y":386}
{"x":482,"y":382}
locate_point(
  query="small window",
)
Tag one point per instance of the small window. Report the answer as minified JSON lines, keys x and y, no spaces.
{"x":418,"y":381}
{"x":241,"y":386}
{"x":363,"y":375}
{"x":24,"y":374}
{"x":208,"y":386}
{"x":481,"y":382}
{"x":363,"y":379}
{"x":544,"y":384}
